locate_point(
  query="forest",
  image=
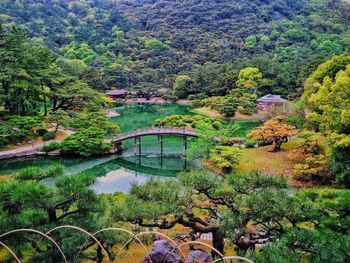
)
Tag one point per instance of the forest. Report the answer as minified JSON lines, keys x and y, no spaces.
{"x":146,"y":44}
{"x":248,"y":100}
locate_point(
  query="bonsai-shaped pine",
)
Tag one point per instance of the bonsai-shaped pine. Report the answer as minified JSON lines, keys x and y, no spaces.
{"x":28,"y":202}
{"x":204,"y":204}
{"x":274,"y":131}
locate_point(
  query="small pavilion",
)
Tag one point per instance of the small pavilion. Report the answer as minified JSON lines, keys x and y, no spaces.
{"x":268,"y":101}
{"x":117,"y":94}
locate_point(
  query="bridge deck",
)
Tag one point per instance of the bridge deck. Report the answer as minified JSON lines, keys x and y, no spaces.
{"x":155,"y":131}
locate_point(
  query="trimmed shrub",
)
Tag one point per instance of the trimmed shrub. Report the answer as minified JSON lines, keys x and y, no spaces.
{"x":194,"y":121}
{"x":51,"y":147}
{"x":42,"y":131}
{"x":217,"y":125}
{"x":86,"y":142}
{"x":49,"y":136}
{"x":296,"y":121}
{"x":118,"y":103}
{"x":250,"y":143}
{"x":199,"y":96}
{"x":3,"y":142}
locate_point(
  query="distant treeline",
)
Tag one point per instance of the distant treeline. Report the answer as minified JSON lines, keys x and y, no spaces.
{"x":144,"y":44}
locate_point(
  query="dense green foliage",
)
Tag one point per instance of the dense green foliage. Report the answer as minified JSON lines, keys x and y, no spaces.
{"x":27,"y":202}
{"x":34,"y":82}
{"x":30,"y":78}
{"x":143,"y":43}
{"x":195,"y":121}
{"x":85,"y":142}
{"x":53,"y":146}
{"x":225,"y":157}
{"x":303,"y":223}
{"x":326,"y":240}
{"x":327,"y":98}
{"x":14,"y":129}
{"x":56,"y":56}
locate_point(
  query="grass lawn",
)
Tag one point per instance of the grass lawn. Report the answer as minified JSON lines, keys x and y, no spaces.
{"x":275,"y":163}
{"x":260,"y":116}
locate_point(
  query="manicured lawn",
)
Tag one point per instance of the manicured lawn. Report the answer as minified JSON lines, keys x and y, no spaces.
{"x":275,"y":164}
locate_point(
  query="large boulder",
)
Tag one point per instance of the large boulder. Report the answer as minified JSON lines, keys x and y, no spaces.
{"x":199,"y":256}
{"x":162,"y":251}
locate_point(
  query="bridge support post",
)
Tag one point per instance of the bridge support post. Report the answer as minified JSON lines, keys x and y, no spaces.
{"x":185,"y":145}
{"x":160,"y":145}
{"x":118,"y":147}
{"x":138,"y":146}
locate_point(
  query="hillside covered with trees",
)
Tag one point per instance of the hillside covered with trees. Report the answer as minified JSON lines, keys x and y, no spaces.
{"x":145,"y":44}
{"x":227,"y":123}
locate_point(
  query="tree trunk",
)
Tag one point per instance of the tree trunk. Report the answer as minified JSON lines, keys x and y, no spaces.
{"x":45,"y":105}
{"x":54,"y":103}
{"x":218,"y":242}
{"x":56,"y":257}
{"x":6,"y":87}
{"x":277,"y":146}
{"x":99,"y":258}
{"x":45,"y":101}
{"x":23,"y":108}
{"x":52,"y":215}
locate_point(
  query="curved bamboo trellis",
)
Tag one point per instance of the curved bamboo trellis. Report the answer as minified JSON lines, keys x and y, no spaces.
{"x":133,"y":237}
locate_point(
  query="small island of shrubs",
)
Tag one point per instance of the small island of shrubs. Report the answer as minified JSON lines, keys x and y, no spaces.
{"x":195,"y":122}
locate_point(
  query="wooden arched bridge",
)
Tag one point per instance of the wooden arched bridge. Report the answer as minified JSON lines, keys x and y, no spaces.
{"x":159,"y":132}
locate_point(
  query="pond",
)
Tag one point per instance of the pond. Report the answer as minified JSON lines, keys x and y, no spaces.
{"x":116,"y":173}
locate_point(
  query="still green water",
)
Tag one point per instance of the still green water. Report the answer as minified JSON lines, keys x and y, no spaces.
{"x":116,"y":173}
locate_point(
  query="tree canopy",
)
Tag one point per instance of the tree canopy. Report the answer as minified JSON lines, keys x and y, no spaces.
{"x":330,"y":110}
{"x":148,"y":43}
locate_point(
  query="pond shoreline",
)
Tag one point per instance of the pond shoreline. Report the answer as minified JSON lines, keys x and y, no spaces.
{"x":116,"y":172}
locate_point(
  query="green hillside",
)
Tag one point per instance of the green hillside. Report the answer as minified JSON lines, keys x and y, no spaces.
{"x":146,"y":44}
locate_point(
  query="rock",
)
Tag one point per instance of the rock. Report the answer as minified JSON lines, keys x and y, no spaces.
{"x":162,"y":251}
{"x":54,"y":153}
{"x":112,"y":151}
{"x":199,"y":256}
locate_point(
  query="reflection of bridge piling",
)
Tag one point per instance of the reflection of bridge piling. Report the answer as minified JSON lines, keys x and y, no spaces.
{"x":160,"y":145}
{"x":138,"y":146}
{"x":185,"y":145}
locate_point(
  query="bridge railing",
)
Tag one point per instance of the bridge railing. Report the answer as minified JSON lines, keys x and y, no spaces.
{"x":155,"y":131}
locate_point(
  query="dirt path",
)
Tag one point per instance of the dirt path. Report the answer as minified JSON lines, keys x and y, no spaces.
{"x":31,"y":149}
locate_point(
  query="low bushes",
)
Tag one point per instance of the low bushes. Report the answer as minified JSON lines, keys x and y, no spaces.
{"x":51,"y":147}
{"x":195,"y":121}
{"x":42,"y":131}
{"x":85,"y":142}
{"x":315,"y":167}
{"x":225,"y":158}
{"x":229,"y":104}
{"x":15,"y":128}
{"x":250,"y":143}
{"x":37,"y":173}
{"x":49,"y":136}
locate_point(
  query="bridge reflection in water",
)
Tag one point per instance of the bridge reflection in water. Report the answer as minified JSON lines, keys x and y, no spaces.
{"x":118,"y":175}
